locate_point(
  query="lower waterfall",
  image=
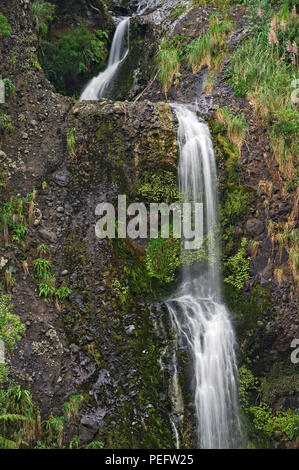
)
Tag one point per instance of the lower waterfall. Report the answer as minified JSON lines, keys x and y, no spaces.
{"x":200,"y":319}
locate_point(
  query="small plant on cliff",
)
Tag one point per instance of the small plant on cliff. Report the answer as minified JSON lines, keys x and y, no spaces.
{"x":19,"y":233}
{"x":9,"y":87}
{"x":70,"y":141}
{"x":42,"y":268}
{"x":168,"y":64}
{"x":121,"y":290}
{"x":71,"y":408}
{"x":5,"y":122}
{"x":9,"y":279}
{"x":46,"y":290}
{"x":5,"y":28}
{"x":238,"y":267}
{"x":63,"y":293}
{"x":43,"y":249}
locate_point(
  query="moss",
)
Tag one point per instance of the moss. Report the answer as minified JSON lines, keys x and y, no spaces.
{"x":281,"y":381}
{"x":143,"y":421}
{"x":263,"y":424}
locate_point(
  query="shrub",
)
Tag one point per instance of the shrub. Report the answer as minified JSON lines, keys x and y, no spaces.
{"x":43,"y":249}
{"x":263,"y":69}
{"x":77,"y":54}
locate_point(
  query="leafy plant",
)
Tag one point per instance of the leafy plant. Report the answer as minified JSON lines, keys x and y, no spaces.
{"x":46,"y":290}
{"x":238,"y":267}
{"x":19,"y":233}
{"x":42,"y":267}
{"x":200,"y":51}
{"x":9,"y":87}
{"x":5,"y":28}
{"x":163,"y":258}
{"x":11,"y":329}
{"x":63,"y":293}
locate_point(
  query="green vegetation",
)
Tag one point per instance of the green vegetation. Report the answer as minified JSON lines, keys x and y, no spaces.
{"x":11,"y":328}
{"x":158,"y":187}
{"x":263,"y":69}
{"x":209,"y":49}
{"x":177,"y":11}
{"x":235,"y":124}
{"x":46,"y":290}
{"x":264,"y":424}
{"x":63,"y":293}
{"x":5,"y":123}
{"x":5,"y":28}
{"x":43,"y":249}
{"x":43,"y":12}
{"x":163,"y":258}
{"x":42,"y":268}
{"x":15,"y":215}
{"x":21,"y":426}
{"x":238,"y":267}
{"x":168,"y":64}
{"x":74,"y":57}
{"x":70,"y":141}
{"x":9,"y":87}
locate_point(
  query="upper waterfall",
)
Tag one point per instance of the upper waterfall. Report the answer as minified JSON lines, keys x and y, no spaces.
{"x":98,"y":86}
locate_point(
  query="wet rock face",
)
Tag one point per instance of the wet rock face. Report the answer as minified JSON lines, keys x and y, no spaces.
{"x":115,"y":140}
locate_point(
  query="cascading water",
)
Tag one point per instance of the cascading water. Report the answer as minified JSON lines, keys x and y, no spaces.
{"x":199,"y":317}
{"x":98,"y":86}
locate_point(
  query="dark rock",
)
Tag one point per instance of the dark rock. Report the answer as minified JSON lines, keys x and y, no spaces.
{"x":47,"y":235}
{"x":90,"y":423}
{"x":62,"y":178}
{"x":254,"y":226}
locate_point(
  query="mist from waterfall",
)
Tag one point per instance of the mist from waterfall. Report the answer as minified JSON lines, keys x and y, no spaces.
{"x":199,"y":317}
{"x":99,"y":86}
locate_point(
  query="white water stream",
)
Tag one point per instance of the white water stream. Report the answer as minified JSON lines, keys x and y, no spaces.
{"x":200,"y":319}
{"x":99,"y":86}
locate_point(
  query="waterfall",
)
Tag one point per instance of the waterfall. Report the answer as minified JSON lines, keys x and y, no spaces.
{"x":201,"y":321}
{"x":98,"y":86}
